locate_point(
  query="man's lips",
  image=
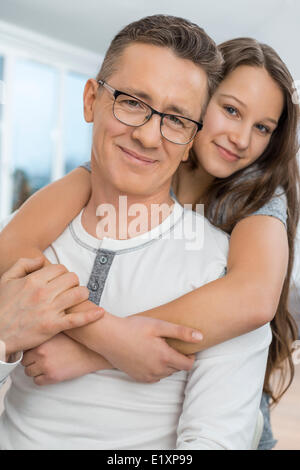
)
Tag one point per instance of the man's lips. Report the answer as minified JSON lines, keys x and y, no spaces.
{"x":138,"y":157}
{"x":232,"y":157}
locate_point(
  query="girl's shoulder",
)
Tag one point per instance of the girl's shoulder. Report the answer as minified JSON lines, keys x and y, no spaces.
{"x":86,"y":165}
{"x":276,"y":206}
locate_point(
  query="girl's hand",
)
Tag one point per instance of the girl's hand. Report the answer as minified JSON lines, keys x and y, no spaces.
{"x":60,"y":359}
{"x":137,"y":346}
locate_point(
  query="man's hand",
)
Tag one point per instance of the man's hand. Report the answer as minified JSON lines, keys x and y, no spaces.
{"x":136,"y":345}
{"x":60,"y":359}
{"x":33,"y":300}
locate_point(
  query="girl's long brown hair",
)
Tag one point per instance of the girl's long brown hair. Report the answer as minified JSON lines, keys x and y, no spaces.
{"x":229,"y":200}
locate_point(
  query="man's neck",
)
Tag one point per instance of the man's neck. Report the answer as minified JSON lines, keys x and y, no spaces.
{"x":190,"y":185}
{"x":126,"y":220}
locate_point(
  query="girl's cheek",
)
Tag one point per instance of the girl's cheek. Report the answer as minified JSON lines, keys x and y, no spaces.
{"x":216,"y":123}
{"x":258,"y":148}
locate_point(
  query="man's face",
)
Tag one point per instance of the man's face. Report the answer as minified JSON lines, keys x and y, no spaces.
{"x":165,"y":82}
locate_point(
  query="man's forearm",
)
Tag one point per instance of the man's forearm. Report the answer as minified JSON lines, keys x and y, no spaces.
{"x":95,"y":336}
{"x":93,"y":360}
{"x":97,"y":362}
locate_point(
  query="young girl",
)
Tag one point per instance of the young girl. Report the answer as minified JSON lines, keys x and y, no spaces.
{"x":243,"y":163}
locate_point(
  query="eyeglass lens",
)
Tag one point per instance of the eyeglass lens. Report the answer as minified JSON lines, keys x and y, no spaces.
{"x":134,"y":112}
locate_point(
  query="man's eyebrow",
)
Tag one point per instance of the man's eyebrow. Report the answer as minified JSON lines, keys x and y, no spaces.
{"x":171,"y":108}
{"x":138,"y":93}
{"x":181,"y":111}
{"x":244,"y":105}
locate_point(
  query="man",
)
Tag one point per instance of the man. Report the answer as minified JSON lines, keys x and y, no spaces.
{"x":146,"y":106}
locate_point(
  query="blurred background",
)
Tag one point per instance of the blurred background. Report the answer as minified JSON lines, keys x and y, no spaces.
{"x":49,"y":48}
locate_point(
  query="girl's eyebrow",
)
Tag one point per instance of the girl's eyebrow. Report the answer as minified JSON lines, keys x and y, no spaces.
{"x":272,"y":120}
{"x":245,"y":106}
{"x":236,"y":99}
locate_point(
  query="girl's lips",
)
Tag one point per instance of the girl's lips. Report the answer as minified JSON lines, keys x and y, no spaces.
{"x":137,"y":158}
{"x":230,"y":157}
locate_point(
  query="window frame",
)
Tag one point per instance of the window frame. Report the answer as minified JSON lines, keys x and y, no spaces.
{"x":18,"y":43}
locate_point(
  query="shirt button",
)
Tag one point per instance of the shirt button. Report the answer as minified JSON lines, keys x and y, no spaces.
{"x":103,"y":259}
{"x":94,"y":286}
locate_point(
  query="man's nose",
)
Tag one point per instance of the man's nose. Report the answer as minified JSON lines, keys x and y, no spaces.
{"x":149,"y":133}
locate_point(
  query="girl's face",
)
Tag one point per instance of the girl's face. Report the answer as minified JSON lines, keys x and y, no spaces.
{"x":240,"y":119}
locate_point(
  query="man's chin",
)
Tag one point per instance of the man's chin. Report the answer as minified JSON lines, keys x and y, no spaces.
{"x":138,"y":191}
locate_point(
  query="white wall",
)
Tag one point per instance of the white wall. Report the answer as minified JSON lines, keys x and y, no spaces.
{"x":92,"y":23}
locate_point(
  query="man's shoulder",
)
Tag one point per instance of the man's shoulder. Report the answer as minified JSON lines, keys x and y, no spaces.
{"x":191,"y":216}
{"x":64,"y":243}
{"x":196,"y":223}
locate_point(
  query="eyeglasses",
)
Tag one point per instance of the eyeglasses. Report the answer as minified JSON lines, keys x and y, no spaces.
{"x":134,"y":112}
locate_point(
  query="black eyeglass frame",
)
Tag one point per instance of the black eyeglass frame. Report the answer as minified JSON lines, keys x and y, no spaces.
{"x":117,"y":93}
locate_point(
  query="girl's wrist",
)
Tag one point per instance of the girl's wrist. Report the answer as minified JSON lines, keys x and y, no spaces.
{"x":108,"y":328}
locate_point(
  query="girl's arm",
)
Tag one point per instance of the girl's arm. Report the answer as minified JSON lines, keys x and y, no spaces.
{"x":43,"y":217}
{"x":40,"y":221}
{"x":246,"y":297}
{"x":46,"y":366}
{"x":243,"y":300}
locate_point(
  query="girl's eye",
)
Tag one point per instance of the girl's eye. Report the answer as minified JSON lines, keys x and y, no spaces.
{"x":263,"y":129}
{"x":231,"y":110}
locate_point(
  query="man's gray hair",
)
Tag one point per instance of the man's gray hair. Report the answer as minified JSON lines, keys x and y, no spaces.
{"x":187,"y":40}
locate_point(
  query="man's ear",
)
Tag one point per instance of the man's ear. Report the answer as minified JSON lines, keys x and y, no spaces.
{"x":187,"y":152}
{"x":89,"y":99}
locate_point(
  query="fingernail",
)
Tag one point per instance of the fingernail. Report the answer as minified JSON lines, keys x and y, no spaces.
{"x":197,"y":335}
{"x":99,"y":311}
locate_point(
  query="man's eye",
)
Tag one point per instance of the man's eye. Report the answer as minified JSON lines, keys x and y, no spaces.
{"x":174,"y":121}
{"x":132,"y":103}
{"x":231,"y":110}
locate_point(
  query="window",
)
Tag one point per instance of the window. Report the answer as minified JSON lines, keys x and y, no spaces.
{"x":77,"y":133}
{"x":1,"y":96}
{"x":42,"y":130}
{"x":2,"y":176}
{"x":34,"y":110}
{"x":1,"y":78}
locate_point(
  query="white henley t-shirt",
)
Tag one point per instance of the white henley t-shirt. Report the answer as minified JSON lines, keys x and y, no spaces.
{"x":214,"y":406}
